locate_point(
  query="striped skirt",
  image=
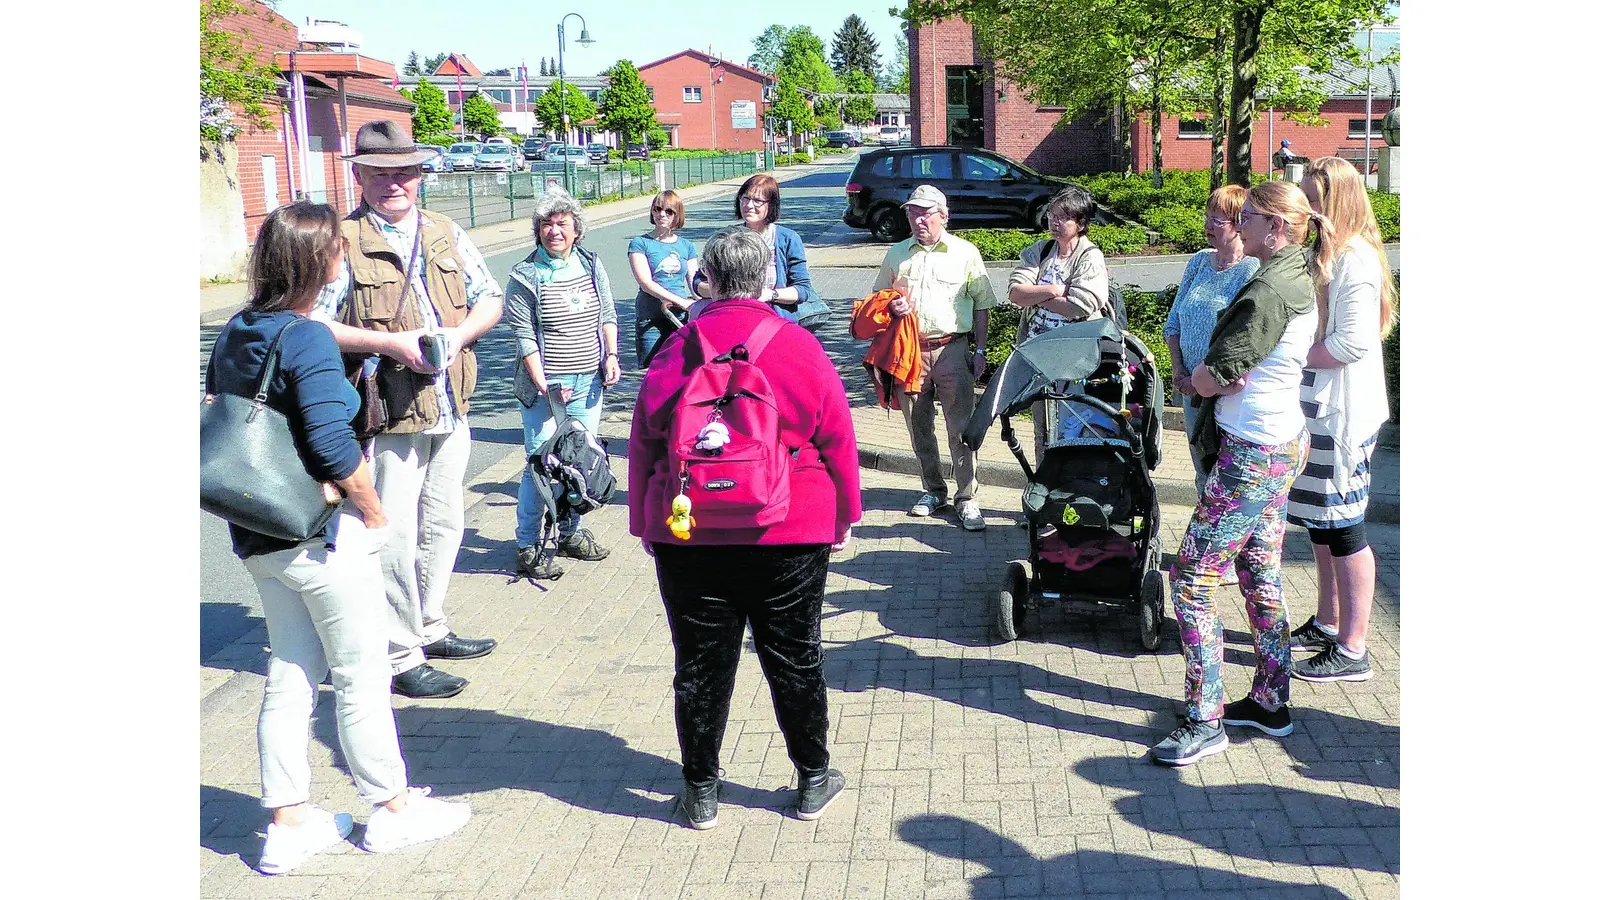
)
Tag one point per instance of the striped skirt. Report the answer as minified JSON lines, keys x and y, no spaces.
{"x":1332,"y":491}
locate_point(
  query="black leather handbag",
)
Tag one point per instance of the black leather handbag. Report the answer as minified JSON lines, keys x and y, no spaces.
{"x":251,"y":473}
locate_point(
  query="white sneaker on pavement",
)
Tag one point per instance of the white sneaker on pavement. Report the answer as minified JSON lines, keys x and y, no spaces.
{"x":927,"y":505}
{"x":424,"y":818}
{"x":970,"y":515}
{"x":288,"y":846}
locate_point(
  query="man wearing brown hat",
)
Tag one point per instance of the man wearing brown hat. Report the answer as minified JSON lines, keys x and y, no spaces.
{"x":416,"y":294}
{"x":943,"y":280}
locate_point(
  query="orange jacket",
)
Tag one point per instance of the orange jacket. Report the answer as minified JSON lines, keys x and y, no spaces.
{"x":895,"y":355}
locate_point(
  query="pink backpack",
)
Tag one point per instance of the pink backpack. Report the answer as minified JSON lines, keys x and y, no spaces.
{"x":724,"y":447}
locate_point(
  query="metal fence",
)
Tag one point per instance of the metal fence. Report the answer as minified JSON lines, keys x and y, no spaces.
{"x":487,"y":198}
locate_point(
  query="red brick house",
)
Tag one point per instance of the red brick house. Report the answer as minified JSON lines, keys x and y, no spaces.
{"x":323,"y":98}
{"x":708,"y":103}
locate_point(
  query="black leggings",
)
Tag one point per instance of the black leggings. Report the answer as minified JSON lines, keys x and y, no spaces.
{"x":710,"y":593}
{"x":1347,"y":540}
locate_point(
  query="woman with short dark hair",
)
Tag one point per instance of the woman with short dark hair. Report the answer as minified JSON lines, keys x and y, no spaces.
{"x":323,"y":598}
{"x":715,"y":579}
{"x":786,"y":279}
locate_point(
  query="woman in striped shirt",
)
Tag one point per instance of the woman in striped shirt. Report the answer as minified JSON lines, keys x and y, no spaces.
{"x":559,"y":305}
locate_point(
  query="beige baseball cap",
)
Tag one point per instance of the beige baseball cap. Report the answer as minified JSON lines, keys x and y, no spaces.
{"x":929,"y":196}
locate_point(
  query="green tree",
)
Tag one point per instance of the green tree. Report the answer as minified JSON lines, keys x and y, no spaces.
{"x":480,"y":117}
{"x":548,"y":108}
{"x":625,"y":106}
{"x":790,"y":106}
{"x":858,"y":108}
{"x":854,"y":49}
{"x":502,"y":71}
{"x":432,"y":117}
{"x":896,"y":77}
{"x":802,"y":61}
{"x":413,"y":66}
{"x":767,"y":49}
{"x":230,"y":73}
{"x":432,"y":63}
{"x":544,"y":70}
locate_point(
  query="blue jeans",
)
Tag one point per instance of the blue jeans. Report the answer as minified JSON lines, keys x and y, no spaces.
{"x":538,"y":425}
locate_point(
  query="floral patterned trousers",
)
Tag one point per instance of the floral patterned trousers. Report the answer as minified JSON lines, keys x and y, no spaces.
{"x":1239,"y":520}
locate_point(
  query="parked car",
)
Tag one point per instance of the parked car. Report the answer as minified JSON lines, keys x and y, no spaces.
{"x":439,"y":162}
{"x":840,"y":139}
{"x":498,"y":139}
{"x":889,"y":135}
{"x":464,"y":156}
{"x":637,"y":151}
{"x":984,"y":188}
{"x":499,"y":158}
{"x":562,"y":153}
{"x":533,"y":148}
{"x":598,"y":153}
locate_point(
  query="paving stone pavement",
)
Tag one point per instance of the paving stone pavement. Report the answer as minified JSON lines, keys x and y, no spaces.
{"x":974,"y":769}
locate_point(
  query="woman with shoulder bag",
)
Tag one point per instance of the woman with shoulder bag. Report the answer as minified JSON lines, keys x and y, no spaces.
{"x":323,"y":598}
{"x":1061,"y":278}
{"x":559,"y":306}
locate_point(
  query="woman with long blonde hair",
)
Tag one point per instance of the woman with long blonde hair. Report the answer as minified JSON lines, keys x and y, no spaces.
{"x":1251,"y":438}
{"x":1346,"y":400}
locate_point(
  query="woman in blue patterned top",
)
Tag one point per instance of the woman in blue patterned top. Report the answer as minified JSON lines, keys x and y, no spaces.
{"x":663,"y":263}
{"x":1210,"y":282}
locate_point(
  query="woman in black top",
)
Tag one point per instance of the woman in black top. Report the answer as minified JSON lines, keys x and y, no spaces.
{"x":323,"y":599}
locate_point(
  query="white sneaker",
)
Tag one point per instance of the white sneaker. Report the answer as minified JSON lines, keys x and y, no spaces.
{"x":970,"y":515}
{"x":424,"y":819}
{"x":288,"y":846}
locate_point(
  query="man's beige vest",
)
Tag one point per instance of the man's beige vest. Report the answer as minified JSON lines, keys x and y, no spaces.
{"x":377,"y":276}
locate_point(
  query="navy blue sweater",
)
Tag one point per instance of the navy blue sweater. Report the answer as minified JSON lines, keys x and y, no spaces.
{"x":310,"y":389}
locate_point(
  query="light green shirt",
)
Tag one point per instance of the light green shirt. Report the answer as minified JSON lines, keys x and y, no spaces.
{"x":948,"y":282}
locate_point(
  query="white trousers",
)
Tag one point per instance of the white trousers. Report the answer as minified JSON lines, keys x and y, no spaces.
{"x":325,"y":613}
{"x":420,"y":481}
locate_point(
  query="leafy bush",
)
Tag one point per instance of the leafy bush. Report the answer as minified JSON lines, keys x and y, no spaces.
{"x":793,"y":159}
{"x":438,"y":140}
{"x":1183,"y":226}
{"x":1391,"y":358}
{"x":681,"y":153}
{"x":1005,"y":244}
{"x":1386,"y":209}
{"x":1118,"y":240}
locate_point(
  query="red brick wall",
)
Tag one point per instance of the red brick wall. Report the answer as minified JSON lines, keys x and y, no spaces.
{"x":669,"y":78}
{"x":947,"y":42}
{"x":1305,"y":140}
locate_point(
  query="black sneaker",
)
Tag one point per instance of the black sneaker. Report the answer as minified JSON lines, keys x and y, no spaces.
{"x":1332,"y":665}
{"x":1247,"y":711}
{"x":1192,"y":741}
{"x":1310,"y":637}
{"x":699,"y":803}
{"x":817,"y":794}
{"x":531,"y":564}
{"x":582,"y":545}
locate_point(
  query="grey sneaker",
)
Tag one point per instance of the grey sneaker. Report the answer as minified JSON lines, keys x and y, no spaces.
{"x":531,"y":564}
{"x":1332,"y":665}
{"x":1193,"y":741}
{"x":970,"y":515}
{"x":926,"y":505}
{"x":817,"y":794}
{"x":582,"y":545}
{"x":1247,"y":712}
{"x":699,"y":803}
{"x":1309,"y":637}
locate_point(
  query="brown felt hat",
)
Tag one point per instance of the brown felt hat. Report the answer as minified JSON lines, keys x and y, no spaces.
{"x":385,"y":145}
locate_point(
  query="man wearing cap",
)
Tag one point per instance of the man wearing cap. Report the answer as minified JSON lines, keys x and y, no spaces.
{"x":411,"y":275}
{"x":945,"y":283}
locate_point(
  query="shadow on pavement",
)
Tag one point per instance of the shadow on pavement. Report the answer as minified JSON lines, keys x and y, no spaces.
{"x":230,"y":822}
{"x":1014,"y":872}
{"x":1256,"y":821}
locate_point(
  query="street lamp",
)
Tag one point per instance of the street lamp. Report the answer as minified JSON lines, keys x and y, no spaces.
{"x":561,"y":82}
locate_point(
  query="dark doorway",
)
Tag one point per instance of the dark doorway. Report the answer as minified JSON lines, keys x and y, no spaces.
{"x":964,"y":107}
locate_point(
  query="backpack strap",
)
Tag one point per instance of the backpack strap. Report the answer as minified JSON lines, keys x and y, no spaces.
{"x":759,"y":338}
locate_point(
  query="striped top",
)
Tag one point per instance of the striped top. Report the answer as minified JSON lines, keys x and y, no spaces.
{"x":569,"y":318}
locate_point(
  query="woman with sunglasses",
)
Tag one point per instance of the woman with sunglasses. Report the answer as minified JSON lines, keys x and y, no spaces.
{"x":787,"y":282}
{"x":1346,"y":399}
{"x":664,"y":264}
{"x":1252,"y":440}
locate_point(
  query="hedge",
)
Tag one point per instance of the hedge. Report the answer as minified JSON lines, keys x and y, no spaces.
{"x":1005,"y":244}
{"x":792,"y":159}
{"x":681,"y":153}
{"x":1386,"y":209}
{"x":1182,"y":226}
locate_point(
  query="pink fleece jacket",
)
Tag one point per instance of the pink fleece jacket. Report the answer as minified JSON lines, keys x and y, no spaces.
{"x":825,"y":480}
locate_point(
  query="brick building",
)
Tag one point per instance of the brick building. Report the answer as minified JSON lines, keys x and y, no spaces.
{"x":323,"y":97}
{"x":708,"y":103}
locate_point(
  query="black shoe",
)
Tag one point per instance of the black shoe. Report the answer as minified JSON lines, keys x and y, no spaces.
{"x":699,"y":803}
{"x":1247,"y":711}
{"x":817,"y":794}
{"x":427,"y":683}
{"x":452,"y":647}
{"x":530,"y":564}
{"x":1310,"y":637}
{"x":1192,"y":741}
{"x":582,"y":545}
{"x":1332,"y":665}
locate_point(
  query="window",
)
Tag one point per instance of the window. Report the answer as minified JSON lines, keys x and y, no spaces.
{"x":651,"y":91}
{"x":1196,"y":128}
{"x":982,"y":168}
{"x":884,"y":167}
{"x":691,"y":95}
{"x":592,"y":95}
{"x":926,"y":166}
{"x":498,"y":96}
{"x":1356,"y":132}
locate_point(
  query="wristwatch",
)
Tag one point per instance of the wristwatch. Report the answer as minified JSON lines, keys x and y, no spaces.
{"x":981,"y":352}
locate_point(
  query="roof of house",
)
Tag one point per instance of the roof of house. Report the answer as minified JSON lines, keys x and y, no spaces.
{"x":1350,"y":79}
{"x":458,"y":64}
{"x":541,"y":82}
{"x":708,"y":59}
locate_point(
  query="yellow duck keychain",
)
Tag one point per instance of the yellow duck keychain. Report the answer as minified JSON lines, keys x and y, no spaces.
{"x":680,"y":521}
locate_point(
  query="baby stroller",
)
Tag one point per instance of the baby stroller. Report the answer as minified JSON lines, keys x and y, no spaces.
{"x":1091,"y":509}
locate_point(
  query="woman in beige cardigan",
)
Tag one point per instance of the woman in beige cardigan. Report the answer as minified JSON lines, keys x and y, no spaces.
{"x":1061,"y":278}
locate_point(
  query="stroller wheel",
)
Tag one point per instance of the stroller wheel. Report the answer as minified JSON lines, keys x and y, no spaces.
{"x":1152,"y":609}
{"x":1010,"y":604}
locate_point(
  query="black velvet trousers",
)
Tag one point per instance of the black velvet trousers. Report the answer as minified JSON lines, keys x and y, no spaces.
{"x":710,"y":594}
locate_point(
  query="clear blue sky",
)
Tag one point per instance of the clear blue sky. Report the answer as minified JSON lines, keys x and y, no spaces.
{"x":495,"y":35}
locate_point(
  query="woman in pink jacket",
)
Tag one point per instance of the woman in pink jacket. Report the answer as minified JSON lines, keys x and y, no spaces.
{"x":716,"y":578}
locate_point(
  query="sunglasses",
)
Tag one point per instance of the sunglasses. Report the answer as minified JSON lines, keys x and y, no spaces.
{"x":1250,"y":214}
{"x":661,"y":209}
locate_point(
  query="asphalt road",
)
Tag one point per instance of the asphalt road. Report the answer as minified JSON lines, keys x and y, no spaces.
{"x":229,"y":605}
